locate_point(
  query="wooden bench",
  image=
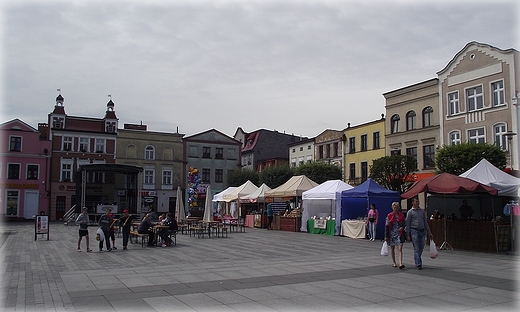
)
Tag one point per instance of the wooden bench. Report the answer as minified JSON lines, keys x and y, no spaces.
{"x":182,"y":228}
{"x":197,"y":230}
{"x":136,"y":235}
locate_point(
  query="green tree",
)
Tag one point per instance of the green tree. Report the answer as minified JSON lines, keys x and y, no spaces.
{"x":319,"y":172}
{"x":457,"y":159}
{"x":275,"y":176}
{"x":394,"y":172}
{"x":239,"y":177}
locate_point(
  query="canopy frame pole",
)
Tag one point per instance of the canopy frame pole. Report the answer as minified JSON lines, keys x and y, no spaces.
{"x":445,"y":243}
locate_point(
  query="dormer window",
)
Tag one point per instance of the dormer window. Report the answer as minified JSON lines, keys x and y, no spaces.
{"x":57,"y":122}
{"x":110,"y":126}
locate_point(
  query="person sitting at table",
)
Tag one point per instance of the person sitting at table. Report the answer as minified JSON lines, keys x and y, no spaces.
{"x":173,"y":228}
{"x":146,"y":228}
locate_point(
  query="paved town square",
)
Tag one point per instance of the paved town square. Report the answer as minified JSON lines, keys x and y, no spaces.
{"x":257,"y":270}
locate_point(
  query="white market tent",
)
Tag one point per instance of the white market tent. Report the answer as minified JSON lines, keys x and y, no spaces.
{"x":484,"y":172}
{"x":220,"y":196}
{"x":295,"y":186}
{"x":323,"y":200}
{"x":243,"y":190}
{"x":258,"y":195}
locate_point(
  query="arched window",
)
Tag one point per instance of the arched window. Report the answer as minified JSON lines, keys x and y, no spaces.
{"x":149,"y":152}
{"x":394,"y":122}
{"x":130,"y":151}
{"x":499,"y":139}
{"x":167,"y":153}
{"x":410,"y":120}
{"x":427,"y":116}
{"x":454,"y":137}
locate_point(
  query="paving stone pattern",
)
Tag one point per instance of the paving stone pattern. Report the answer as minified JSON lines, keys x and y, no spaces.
{"x":254,"y":271}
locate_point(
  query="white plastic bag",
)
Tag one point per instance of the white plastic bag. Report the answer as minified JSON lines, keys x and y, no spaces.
{"x":100,"y":233}
{"x":384,"y":249}
{"x":433,"y":250}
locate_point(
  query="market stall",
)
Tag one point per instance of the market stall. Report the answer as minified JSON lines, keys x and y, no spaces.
{"x":356,"y":202}
{"x":294,"y":187}
{"x":323,"y":201}
{"x":448,"y":184}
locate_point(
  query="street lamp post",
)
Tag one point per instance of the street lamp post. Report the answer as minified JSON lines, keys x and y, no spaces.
{"x":509,"y":135}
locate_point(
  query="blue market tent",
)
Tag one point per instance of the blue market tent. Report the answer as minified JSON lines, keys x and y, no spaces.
{"x":356,"y":203}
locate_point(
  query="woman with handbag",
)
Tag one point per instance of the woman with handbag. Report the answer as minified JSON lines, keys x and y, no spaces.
{"x":373,"y":215}
{"x":394,"y":233}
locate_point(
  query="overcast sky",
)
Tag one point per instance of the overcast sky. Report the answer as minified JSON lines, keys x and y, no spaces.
{"x":294,"y":66}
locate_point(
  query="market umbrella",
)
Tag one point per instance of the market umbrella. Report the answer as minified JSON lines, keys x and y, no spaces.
{"x":208,"y":206}
{"x":180,"y":213}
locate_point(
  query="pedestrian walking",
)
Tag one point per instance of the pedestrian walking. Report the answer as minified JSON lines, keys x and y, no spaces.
{"x":82,"y":222}
{"x":416,"y":229}
{"x":104,"y":224}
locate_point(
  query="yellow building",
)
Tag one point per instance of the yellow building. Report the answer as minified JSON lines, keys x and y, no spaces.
{"x":364,"y":143}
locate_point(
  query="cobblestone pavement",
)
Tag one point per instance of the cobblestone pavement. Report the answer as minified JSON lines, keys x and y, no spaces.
{"x":254,"y":271}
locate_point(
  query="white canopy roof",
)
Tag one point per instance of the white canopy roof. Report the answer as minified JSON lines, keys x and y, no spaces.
{"x":243,"y":190}
{"x":295,"y":186}
{"x":484,"y":172}
{"x":258,"y":195}
{"x":220,"y":196}
{"x":327,"y":189}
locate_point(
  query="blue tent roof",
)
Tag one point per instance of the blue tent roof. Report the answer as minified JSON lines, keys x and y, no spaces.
{"x":369,"y":188}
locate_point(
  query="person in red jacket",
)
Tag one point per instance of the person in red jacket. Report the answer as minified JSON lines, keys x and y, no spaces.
{"x":394,"y":233}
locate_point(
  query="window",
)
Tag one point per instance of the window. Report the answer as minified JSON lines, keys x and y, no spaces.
{"x":336,"y":149}
{"x":455,"y":137}
{"x":12,"y":203}
{"x":364,"y":142}
{"x":308,"y":147}
{"x":395,"y":152}
{"x":453,"y":103}
{"x":476,"y":136}
{"x":293,"y":162}
{"x":67,"y":143}
{"x":13,"y":171}
{"x":100,"y":145}
{"x":84,"y":144}
{"x":429,"y":156}
{"x":352,"y":172}
{"x":206,"y":175}
{"x":410,"y":120}
{"x":300,"y":161}
{"x":57,"y":122}
{"x":167,"y":177}
{"x":301,"y":148}
{"x":352,"y":145}
{"x":66,"y":171}
{"x":98,"y":177}
{"x":309,"y":159}
{"x":110,"y":126}
{"x":206,"y":152}
{"x":328,"y":150}
{"x":219,"y":153}
{"x":497,"y":90}
{"x":32,"y":172}
{"x":294,"y":150}
{"x":376,"y":144}
{"x":364,"y":171}
{"x":412,"y":151}
{"x":498,"y":133}
{"x":320,"y":152}
{"x":149,"y":152}
{"x":15,"y":144}
{"x":149,"y":176}
{"x":394,"y":122}
{"x":427,"y":116}
{"x":474,"y":99}
{"x":219,"y":175}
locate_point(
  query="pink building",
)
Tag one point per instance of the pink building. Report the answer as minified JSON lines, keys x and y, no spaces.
{"x":24,"y":163}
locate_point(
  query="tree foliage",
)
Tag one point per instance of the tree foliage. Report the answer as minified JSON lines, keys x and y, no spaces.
{"x":239,"y":177}
{"x":319,"y":172}
{"x":457,"y":159}
{"x":275,"y":176}
{"x":394,"y":172}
